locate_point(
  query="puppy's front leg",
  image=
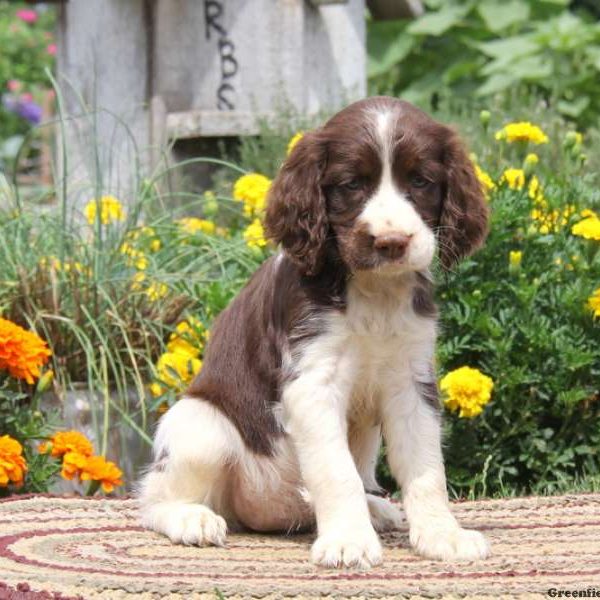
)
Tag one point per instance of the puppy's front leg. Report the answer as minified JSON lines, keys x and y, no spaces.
{"x":315,"y":412}
{"x":413,"y":436}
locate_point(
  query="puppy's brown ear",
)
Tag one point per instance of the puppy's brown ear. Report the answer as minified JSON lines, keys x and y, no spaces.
{"x":464,"y":218}
{"x":296,"y":215}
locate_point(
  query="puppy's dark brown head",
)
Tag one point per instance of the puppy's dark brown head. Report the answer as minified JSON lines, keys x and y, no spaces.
{"x":379,"y":187}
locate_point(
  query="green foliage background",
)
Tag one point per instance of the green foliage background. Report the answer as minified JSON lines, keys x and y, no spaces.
{"x":478,"y":48}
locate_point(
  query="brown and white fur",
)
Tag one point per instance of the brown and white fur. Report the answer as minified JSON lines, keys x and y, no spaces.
{"x":329,"y":347}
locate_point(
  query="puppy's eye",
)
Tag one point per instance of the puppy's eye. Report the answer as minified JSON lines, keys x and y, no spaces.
{"x":353,"y":184}
{"x":417,"y":181}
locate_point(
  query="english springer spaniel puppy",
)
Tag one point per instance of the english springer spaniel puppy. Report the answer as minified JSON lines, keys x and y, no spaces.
{"x":329,"y":348}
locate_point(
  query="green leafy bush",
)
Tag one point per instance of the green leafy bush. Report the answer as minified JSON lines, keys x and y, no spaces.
{"x":479,"y":48}
{"x":528,"y":324}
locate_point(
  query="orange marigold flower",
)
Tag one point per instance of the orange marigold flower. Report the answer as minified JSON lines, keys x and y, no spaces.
{"x":97,"y":468}
{"x":12,"y":463}
{"x":72,"y":464}
{"x":22,"y":352}
{"x":64,"y":442}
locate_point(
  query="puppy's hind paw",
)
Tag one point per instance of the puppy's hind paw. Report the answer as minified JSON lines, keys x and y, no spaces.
{"x":385,"y":516}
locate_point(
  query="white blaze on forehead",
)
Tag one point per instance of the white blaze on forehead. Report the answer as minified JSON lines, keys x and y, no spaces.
{"x":384,"y":120}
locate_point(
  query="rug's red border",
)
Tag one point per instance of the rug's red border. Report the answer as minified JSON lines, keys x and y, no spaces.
{"x":24,"y":592}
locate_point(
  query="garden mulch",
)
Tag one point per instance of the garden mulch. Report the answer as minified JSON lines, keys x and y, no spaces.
{"x":69,"y":547}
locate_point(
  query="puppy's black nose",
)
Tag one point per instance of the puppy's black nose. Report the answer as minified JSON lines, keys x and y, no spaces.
{"x":392,"y":245}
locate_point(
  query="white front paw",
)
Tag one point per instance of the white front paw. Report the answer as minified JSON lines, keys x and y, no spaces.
{"x":195,"y":524}
{"x":352,"y":547}
{"x":449,"y":543}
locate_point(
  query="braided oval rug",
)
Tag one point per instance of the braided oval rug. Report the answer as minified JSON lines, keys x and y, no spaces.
{"x":66,"y":547}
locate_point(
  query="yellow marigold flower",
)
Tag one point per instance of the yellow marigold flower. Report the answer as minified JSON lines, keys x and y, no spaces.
{"x":156,"y":389}
{"x":550,"y":221}
{"x":22,"y":352}
{"x":534,"y":190}
{"x":127,"y":249}
{"x":293,"y":141}
{"x":176,"y":370}
{"x":65,"y":442}
{"x":138,"y":280}
{"x":532,"y":159}
{"x":156,"y":291}
{"x":514,"y":178}
{"x":97,"y":468}
{"x":187,"y":338}
{"x":12,"y":463}
{"x":110,"y":210}
{"x":587,"y":212}
{"x":252,"y":190}
{"x":72,"y":463}
{"x":192,"y":225}
{"x":522,"y":132}
{"x":135,"y":257}
{"x":484,"y":178}
{"x":254,"y":235}
{"x":515,"y":258}
{"x":593,"y":303}
{"x":467,"y":390}
{"x":588,"y":228}
{"x":141,"y":262}
{"x":155,"y":245}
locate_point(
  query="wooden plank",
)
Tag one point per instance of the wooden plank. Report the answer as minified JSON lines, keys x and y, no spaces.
{"x":213,"y":123}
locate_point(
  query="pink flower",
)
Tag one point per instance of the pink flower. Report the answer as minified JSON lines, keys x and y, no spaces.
{"x":27,"y":15}
{"x":51,"y":49}
{"x":13,"y":85}
{"x":26,"y":97}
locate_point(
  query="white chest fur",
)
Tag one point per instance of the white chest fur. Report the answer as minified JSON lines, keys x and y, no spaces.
{"x":378,"y":345}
